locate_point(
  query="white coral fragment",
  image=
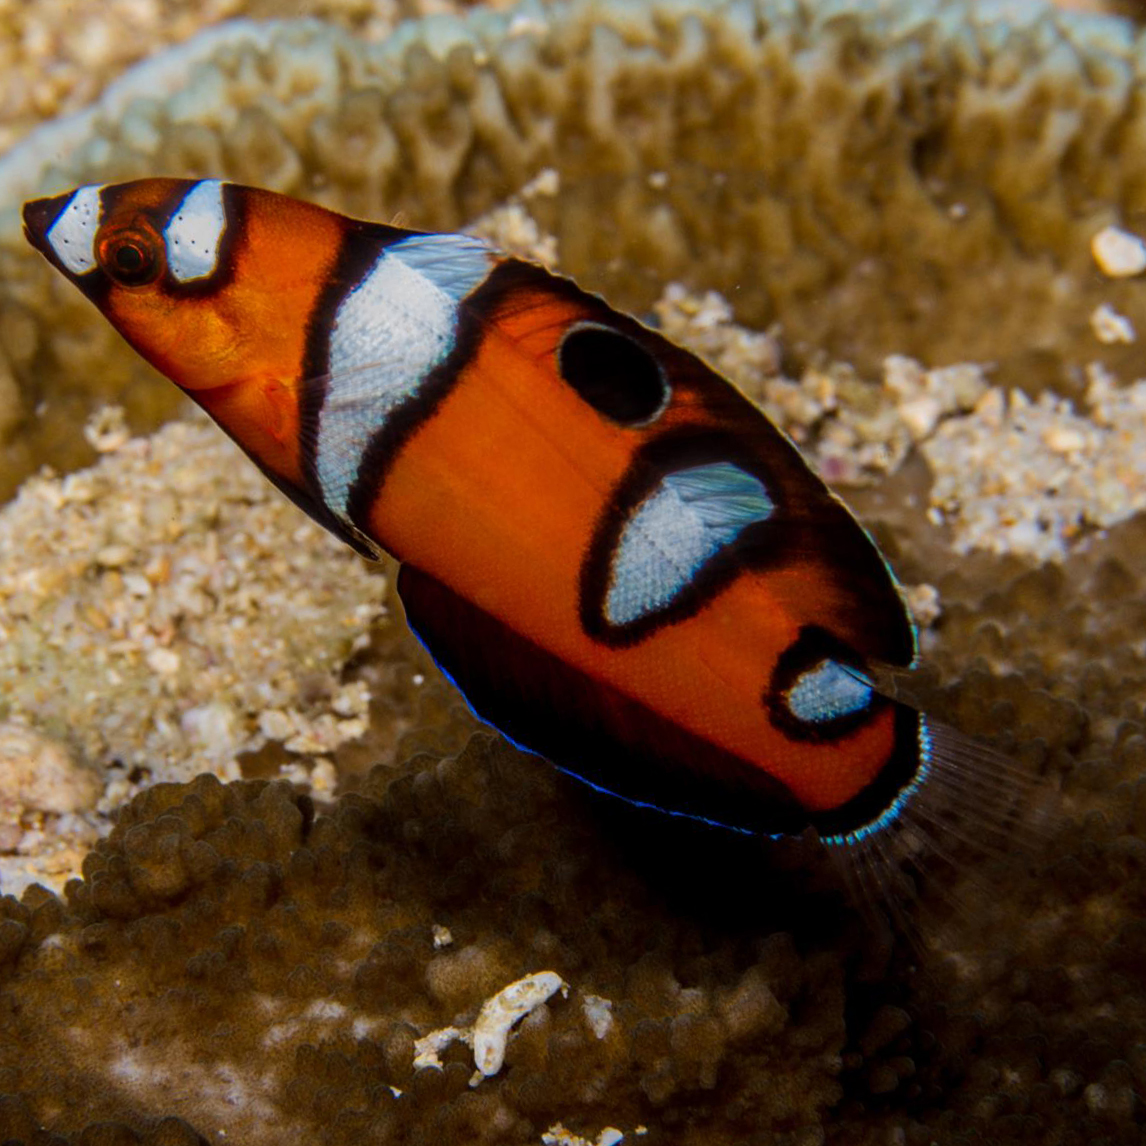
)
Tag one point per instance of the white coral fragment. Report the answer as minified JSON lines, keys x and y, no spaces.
{"x":499,"y":1013}
{"x":45,"y":800}
{"x":546,"y":183}
{"x":1032,"y":476}
{"x":429,"y":1047}
{"x":1109,"y":326}
{"x":39,"y":774}
{"x":598,"y":1014}
{"x":106,"y":430}
{"x":923,"y":604}
{"x":489,"y":1034}
{"x":557,"y":1135}
{"x":1118,"y":253}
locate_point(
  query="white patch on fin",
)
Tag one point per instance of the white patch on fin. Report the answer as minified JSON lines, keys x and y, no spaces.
{"x":195,"y":231}
{"x":455,"y":264}
{"x":826,"y":692}
{"x":389,"y":333}
{"x":72,"y":235}
{"x":679,"y":527}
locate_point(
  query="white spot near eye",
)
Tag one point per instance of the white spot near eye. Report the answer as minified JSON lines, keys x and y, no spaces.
{"x":827,"y":692}
{"x":72,"y":235}
{"x":195,"y":231}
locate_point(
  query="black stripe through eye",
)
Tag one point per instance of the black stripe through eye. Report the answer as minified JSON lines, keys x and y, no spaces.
{"x":615,"y":375}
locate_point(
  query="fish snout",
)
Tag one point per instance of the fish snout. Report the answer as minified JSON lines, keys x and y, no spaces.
{"x":39,"y":217}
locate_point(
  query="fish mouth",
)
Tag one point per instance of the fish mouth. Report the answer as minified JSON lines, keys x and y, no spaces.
{"x":39,"y":217}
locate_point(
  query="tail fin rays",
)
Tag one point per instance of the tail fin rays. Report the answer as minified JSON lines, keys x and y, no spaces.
{"x":968,"y":805}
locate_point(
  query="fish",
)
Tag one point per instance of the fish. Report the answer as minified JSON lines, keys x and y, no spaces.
{"x":620,"y":561}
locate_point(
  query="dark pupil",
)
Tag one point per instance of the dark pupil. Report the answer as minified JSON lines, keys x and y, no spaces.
{"x":615,"y":375}
{"x":130,"y":259}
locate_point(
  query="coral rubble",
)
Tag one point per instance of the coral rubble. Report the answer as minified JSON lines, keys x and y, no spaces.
{"x":166,"y":611}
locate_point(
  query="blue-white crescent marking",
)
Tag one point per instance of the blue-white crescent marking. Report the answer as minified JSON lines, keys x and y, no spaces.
{"x":828,"y":691}
{"x":902,"y":800}
{"x":690,"y":516}
{"x":388,"y":334}
{"x":193,"y":235}
{"x":72,"y":235}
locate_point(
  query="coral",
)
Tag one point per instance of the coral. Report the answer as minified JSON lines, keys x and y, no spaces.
{"x":230,"y":959}
{"x":965,"y":155}
{"x":234,"y":961}
{"x":57,"y":55}
{"x":1118,"y":253}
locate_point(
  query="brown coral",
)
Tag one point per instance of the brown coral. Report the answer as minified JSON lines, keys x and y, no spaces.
{"x":963,"y":157}
{"x":231,"y":960}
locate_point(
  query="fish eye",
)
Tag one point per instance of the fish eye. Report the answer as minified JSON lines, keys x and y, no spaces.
{"x":130,"y":259}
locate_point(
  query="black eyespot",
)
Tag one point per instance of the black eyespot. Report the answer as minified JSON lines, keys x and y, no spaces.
{"x":131,"y":260}
{"x":615,"y":375}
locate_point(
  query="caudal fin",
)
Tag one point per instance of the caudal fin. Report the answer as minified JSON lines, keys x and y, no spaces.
{"x":969,"y":812}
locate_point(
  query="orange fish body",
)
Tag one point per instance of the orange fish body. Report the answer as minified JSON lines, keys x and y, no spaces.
{"x":621,"y":562}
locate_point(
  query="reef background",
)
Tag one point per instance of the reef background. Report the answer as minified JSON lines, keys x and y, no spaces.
{"x":909,"y":179}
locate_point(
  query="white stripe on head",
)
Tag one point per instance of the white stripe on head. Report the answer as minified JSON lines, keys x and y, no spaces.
{"x":72,"y":235}
{"x":195,"y":230}
{"x":388,"y":334}
{"x":686,"y":520}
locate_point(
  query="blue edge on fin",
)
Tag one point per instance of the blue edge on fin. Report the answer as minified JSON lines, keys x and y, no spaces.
{"x":845,"y":839}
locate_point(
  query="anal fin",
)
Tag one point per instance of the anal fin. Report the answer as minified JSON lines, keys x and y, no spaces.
{"x":585,"y":726}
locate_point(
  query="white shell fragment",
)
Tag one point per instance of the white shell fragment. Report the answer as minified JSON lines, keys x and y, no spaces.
{"x":494,"y":1022}
{"x":598,"y":1014}
{"x":443,"y":937}
{"x":1118,"y":253}
{"x":499,"y":1013}
{"x":429,"y":1047}
{"x":1109,"y":326}
{"x":557,"y":1135}
{"x":923,"y":604}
